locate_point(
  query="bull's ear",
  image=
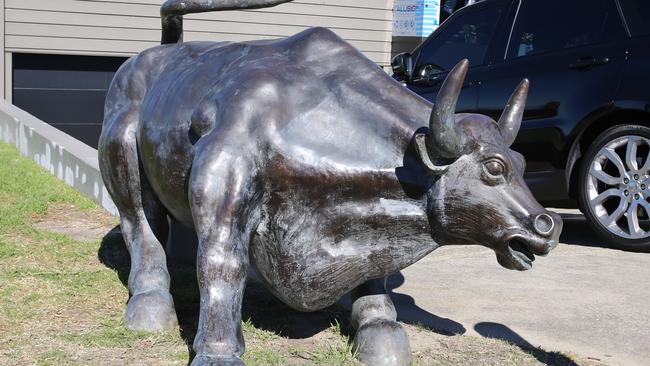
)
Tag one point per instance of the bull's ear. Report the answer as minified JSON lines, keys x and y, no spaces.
{"x":421,"y":148}
{"x":510,"y":120}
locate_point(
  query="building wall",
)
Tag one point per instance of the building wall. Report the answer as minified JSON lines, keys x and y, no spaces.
{"x":125,"y":27}
{"x":3,"y":85}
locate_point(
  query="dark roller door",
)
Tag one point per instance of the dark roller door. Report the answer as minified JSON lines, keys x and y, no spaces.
{"x":67,"y":92}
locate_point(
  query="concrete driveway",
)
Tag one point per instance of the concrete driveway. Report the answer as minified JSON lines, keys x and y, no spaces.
{"x":583,"y":298}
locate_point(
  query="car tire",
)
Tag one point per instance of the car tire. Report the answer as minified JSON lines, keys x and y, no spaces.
{"x":614,"y":187}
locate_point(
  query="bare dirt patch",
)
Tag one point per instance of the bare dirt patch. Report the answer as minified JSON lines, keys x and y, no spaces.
{"x":83,"y":225}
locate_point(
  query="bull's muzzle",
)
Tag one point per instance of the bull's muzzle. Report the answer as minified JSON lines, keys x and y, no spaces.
{"x":522,"y":246}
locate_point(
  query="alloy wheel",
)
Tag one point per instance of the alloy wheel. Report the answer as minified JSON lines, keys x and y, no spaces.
{"x":618,"y":187}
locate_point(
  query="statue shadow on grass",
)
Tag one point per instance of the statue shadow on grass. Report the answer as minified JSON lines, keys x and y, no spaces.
{"x":500,"y":331}
{"x":260,"y":307}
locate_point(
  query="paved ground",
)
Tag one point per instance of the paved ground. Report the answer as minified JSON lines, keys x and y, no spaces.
{"x":583,"y":298}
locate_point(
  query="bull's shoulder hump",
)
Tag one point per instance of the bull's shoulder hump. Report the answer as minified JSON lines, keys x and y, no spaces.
{"x":317,"y":34}
{"x":318,"y":44}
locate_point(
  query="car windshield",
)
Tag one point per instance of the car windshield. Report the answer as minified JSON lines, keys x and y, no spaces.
{"x":467,"y":36}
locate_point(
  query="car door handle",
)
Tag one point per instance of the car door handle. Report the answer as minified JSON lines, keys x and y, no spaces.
{"x":588,"y":62}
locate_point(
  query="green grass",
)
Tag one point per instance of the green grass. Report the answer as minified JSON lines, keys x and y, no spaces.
{"x":26,"y":189}
{"x":58,"y":303}
{"x":61,"y":305}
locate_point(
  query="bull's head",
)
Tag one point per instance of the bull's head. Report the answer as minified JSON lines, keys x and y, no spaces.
{"x":482,"y":198}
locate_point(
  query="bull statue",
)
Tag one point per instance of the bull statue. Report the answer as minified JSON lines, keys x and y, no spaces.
{"x":302,"y":159}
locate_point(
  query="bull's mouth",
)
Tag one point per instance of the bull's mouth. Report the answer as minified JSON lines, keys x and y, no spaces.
{"x":521,"y":254}
{"x":521,"y":251}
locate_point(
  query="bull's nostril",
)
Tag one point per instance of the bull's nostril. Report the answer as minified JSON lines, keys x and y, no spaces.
{"x":544,"y":224}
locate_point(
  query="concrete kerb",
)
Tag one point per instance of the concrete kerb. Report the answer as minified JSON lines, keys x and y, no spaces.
{"x":61,"y":154}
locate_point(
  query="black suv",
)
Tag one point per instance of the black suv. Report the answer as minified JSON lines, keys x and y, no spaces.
{"x":585,"y":133}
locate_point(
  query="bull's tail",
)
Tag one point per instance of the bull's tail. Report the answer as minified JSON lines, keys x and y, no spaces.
{"x":172,"y":12}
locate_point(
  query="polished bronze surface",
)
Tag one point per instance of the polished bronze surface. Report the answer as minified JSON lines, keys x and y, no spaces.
{"x":303,"y":159}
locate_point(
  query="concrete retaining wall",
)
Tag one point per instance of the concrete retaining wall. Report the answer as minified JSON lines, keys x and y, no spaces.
{"x":62,"y":155}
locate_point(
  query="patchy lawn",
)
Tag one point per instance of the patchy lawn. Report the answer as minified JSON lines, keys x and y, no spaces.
{"x":63,"y":268}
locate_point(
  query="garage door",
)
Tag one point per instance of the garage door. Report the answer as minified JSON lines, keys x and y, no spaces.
{"x":68,"y":92}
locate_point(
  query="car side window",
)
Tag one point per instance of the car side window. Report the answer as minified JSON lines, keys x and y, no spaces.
{"x":637,"y":15}
{"x":551,"y":25}
{"x":467,"y":36}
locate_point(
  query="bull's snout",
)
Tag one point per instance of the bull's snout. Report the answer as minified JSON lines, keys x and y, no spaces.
{"x":539,"y":236}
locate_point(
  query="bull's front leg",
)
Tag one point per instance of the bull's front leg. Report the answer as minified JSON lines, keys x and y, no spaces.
{"x":219,"y":209}
{"x":379,"y":340}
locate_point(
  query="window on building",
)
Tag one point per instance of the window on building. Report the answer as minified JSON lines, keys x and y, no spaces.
{"x":550,"y":25}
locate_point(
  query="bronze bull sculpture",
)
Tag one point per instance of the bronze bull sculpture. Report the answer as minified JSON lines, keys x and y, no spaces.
{"x":303,"y":159}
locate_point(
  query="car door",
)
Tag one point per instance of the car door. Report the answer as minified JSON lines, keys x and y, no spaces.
{"x":634,"y":87}
{"x":467,"y":34}
{"x":574,"y":53}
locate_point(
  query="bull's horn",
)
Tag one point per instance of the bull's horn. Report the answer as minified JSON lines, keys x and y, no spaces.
{"x":510,"y":120}
{"x":445,"y":140}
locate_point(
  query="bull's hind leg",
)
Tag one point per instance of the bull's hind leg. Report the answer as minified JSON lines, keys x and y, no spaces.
{"x":223,"y":217}
{"x":379,"y":340}
{"x":144,"y":225}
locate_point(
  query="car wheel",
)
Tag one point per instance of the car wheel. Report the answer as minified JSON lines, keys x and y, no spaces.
{"x":614,"y":186}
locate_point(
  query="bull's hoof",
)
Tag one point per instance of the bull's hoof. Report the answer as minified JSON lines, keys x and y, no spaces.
{"x":151,"y":311}
{"x":209,"y":360}
{"x":382,"y":343}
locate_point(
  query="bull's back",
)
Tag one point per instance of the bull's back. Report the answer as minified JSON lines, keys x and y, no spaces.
{"x":198,"y":89}
{"x":277,"y":92}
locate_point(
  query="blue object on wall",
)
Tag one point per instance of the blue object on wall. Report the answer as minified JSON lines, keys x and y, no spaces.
{"x":415,"y":18}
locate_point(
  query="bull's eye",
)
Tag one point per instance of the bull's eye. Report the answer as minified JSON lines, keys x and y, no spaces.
{"x":494,"y":168}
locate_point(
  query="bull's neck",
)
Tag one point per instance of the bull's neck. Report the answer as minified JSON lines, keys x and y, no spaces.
{"x":396,"y":112}
{"x":403,"y":114}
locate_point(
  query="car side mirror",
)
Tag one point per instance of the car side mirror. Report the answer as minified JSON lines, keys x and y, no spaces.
{"x":429,"y":74}
{"x":402,"y":65}
{"x":430,"y":71}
